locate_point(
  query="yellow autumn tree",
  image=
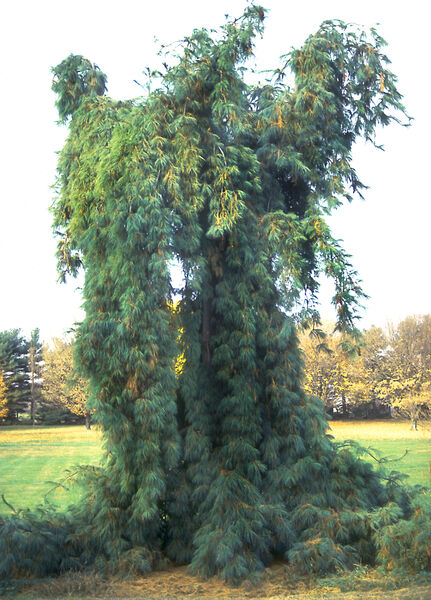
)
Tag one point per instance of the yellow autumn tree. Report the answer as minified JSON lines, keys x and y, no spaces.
{"x":3,"y":399}
{"x":63,"y":391}
{"x":317,"y":348}
{"x":337,"y":377}
{"x":176,"y":324}
{"x":407,"y":381}
{"x":351,"y":380}
{"x":375,"y":367}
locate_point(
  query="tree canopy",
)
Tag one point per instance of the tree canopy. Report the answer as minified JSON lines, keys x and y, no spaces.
{"x":64,"y":394}
{"x":226,"y":465}
{"x":35,"y":371}
{"x":406,"y":381}
{"x":3,"y":399}
{"x":391,"y":372}
{"x":332,"y":373}
{"x":14,"y":350}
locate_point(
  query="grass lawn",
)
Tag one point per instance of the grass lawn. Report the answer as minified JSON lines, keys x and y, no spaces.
{"x":30,"y":458}
{"x":392,"y":439}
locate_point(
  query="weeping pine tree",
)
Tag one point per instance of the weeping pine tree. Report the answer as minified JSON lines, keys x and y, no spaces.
{"x":226,"y":464}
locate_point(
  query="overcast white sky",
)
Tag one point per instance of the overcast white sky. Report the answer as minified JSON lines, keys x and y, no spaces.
{"x":388,"y":234}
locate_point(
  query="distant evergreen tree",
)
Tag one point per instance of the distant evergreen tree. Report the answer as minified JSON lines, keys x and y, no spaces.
{"x":35,"y":370}
{"x":228,"y":465}
{"x":14,"y":349}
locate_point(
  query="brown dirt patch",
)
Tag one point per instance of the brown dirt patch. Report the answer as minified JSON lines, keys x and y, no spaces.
{"x":177,"y":584}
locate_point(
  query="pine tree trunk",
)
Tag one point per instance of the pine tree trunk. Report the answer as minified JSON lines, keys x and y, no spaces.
{"x":206,"y":330}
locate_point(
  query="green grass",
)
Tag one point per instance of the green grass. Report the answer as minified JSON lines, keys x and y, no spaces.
{"x":30,"y":458}
{"x":409,"y":451}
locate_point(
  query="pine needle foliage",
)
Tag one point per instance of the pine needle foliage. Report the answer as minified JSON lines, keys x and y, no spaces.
{"x":227,"y":465}
{"x":14,"y":349}
{"x":404,"y":544}
{"x":36,"y":543}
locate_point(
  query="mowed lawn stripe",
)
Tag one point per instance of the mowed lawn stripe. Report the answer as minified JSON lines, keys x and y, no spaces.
{"x":25,"y":485}
{"x":30,"y":458}
{"x":409,"y":451}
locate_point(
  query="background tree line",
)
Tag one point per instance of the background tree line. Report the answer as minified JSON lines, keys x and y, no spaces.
{"x":38,"y":383}
{"x":389,"y":375}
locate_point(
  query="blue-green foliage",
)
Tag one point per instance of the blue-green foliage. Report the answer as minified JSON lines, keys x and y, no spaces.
{"x":405,"y":543}
{"x":38,"y":543}
{"x":14,"y":349}
{"x":228,"y":465}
